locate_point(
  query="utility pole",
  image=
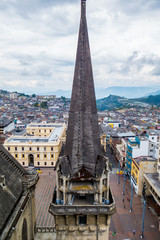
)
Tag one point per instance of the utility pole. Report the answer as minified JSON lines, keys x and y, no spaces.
{"x":124,"y":182}
{"x":119,"y":174}
{"x":144,"y":204}
{"x":131,"y":196}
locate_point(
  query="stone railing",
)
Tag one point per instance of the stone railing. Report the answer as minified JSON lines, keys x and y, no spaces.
{"x":45,"y":229}
{"x":95,"y":210}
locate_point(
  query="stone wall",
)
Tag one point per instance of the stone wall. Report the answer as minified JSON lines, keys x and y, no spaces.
{"x":25,"y":226}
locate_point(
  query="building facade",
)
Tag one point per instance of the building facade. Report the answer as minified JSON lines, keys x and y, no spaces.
{"x":141,"y":166}
{"x":136,"y":147}
{"x":146,"y":146}
{"x":40,"y":147}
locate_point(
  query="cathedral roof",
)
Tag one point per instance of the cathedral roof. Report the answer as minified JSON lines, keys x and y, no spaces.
{"x":11,"y":174}
{"x":83,"y":136}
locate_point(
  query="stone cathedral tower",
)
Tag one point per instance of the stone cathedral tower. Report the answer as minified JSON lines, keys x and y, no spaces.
{"x":82,"y":202}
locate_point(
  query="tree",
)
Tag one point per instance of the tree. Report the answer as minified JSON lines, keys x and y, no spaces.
{"x":36,"y":105}
{"x":63,"y":98}
{"x":44,"y":104}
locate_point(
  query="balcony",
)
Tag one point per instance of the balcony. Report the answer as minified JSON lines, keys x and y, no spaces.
{"x":87,"y":209}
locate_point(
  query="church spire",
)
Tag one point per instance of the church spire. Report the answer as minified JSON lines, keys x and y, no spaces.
{"x":83,"y":137}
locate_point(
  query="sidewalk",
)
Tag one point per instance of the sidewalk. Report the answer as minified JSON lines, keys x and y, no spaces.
{"x":124,"y":221}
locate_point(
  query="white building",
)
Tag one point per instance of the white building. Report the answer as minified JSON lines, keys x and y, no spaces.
{"x":6,"y":126}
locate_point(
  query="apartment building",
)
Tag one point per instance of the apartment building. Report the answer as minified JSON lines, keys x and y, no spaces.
{"x":141,"y":166}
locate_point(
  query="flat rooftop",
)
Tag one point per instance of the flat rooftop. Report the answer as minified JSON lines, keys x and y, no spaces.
{"x":154,"y":180}
{"x":145,"y":159}
{"x":54,"y":136}
{"x":44,"y":125}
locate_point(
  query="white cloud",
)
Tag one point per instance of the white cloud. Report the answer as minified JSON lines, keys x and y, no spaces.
{"x":39,"y":39}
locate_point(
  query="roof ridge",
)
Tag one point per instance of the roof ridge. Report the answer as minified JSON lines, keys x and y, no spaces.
{"x":12,"y":160}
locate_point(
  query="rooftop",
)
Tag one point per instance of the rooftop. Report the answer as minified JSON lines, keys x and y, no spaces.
{"x":54,"y":136}
{"x":154,"y":180}
{"x":145,"y":159}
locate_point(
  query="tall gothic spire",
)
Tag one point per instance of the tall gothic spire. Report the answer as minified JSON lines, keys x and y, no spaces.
{"x":83,"y":137}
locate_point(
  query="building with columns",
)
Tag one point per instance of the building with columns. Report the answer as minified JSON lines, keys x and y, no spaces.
{"x":82,"y":202}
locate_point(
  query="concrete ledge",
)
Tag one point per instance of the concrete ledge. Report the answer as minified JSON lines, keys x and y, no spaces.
{"x":73,"y":228}
{"x":92,"y":228}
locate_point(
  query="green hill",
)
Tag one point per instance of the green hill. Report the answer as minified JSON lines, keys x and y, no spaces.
{"x":110,"y":103}
{"x":152,"y":100}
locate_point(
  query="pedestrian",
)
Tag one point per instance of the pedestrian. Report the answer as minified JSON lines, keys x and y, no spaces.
{"x":134,"y":232}
{"x":123,"y":200}
{"x":124,"y":206}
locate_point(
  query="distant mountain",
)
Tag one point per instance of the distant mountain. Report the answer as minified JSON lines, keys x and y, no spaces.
{"x":127,"y":92}
{"x":130,"y":92}
{"x":153,"y":93}
{"x":109,"y":103}
{"x":152,"y":100}
{"x":113,"y":102}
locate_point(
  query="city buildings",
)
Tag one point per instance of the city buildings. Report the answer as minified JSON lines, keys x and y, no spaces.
{"x":39,"y":146}
{"x":145,"y":146}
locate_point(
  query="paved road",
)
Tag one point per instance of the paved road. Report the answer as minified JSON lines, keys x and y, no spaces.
{"x":124,"y":221}
{"x":44,"y":194}
{"x":111,"y":157}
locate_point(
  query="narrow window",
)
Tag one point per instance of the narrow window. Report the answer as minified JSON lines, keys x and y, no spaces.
{"x":83,"y":219}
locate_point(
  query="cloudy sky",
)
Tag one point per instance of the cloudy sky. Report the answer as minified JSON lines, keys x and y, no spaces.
{"x":38,"y":41}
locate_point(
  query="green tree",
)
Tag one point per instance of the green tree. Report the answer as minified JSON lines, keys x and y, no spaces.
{"x":44,"y":104}
{"x":36,"y":104}
{"x":63,"y":98}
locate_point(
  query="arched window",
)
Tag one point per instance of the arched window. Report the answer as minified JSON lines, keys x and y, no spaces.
{"x":24,"y":230}
{"x":30,"y":160}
